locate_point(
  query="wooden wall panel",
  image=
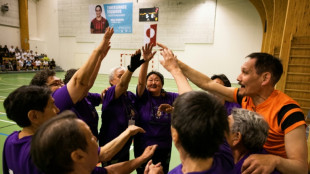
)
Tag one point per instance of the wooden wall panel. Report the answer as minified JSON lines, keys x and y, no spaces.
{"x":24,"y":27}
{"x":269,"y":9}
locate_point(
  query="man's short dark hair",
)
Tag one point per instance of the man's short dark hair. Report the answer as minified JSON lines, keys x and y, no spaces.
{"x":223,"y":78}
{"x":22,"y":100}
{"x":40,"y":78}
{"x":268,"y":63}
{"x":69,"y":75}
{"x":54,"y":141}
{"x":201,"y":122}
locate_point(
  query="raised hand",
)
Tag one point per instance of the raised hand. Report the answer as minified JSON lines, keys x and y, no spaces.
{"x":147,"y":52}
{"x":104,"y":46}
{"x":170,"y":61}
{"x":135,"y":61}
{"x":162,"y":46}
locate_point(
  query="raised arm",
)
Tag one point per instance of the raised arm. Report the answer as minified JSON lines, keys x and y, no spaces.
{"x":113,"y":147}
{"x":171,"y":65}
{"x":122,"y":86}
{"x":147,"y":56}
{"x":79,"y":84}
{"x":296,"y":161}
{"x":205,"y":83}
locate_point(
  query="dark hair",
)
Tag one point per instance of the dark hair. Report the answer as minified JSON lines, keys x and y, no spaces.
{"x":223,"y":78}
{"x":22,"y":100}
{"x":268,"y":63}
{"x":40,"y":78}
{"x":201,"y":122}
{"x":99,"y":7}
{"x":158,"y":74}
{"x":55,"y":140}
{"x":69,"y":75}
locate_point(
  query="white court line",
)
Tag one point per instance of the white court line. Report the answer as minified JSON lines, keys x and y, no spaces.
{"x":6,"y":89}
{"x":2,"y":113}
{"x":8,"y":121}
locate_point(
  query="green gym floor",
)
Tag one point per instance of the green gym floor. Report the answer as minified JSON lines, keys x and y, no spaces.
{"x":11,"y":81}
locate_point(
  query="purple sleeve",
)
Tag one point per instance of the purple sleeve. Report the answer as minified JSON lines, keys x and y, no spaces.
{"x":225,"y":152}
{"x":94,"y":98}
{"x":108,"y":97}
{"x":99,"y":170}
{"x":62,"y":98}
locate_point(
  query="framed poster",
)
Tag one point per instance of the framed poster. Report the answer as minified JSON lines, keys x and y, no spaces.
{"x":119,"y":16}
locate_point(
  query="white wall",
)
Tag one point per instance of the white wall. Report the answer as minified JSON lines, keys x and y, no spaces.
{"x":9,"y":24}
{"x":238,"y":32}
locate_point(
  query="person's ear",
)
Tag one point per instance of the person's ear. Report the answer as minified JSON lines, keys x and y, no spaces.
{"x":266,"y":78}
{"x":78,"y":155}
{"x":236,"y":138}
{"x":175,"y":136}
{"x":33,"y":116}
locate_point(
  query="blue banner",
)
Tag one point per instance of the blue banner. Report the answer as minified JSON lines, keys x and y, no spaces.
{"x":119,"y":16}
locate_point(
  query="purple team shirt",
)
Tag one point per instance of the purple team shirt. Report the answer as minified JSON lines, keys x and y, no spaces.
{"x":238,"y":165}
{"x":16,"y":155}
{"x":62,"y":99}
{"x":223,"y":162}
{"x":115,"y":116}
{"x":230,"y":105}
{"x":86,"y":111}
{"x":157,"y":127}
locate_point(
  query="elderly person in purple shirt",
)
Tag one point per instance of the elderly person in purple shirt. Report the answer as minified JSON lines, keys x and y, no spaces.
{"x":248,"y":134}
{"x":119,"y":107}
{"x":151,"y":96}
{"x":85,"y":109}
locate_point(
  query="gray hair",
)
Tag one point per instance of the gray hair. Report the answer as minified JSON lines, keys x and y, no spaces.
{"x":252,"y":126}
{"x":112,"y":72}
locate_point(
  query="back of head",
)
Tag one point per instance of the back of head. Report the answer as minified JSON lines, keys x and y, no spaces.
{"x":252,"y":126}
{"x":268,"y":63}
{"x":55,"y":140}
{"x":223,"y":78}
{"x":69,"y":75}
{"x":22,"y":100}
{"x":201,"y":123}
{"x":40,"y":78}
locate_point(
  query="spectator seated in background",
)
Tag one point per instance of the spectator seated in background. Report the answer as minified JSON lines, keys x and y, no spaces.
{"x":52,"y":64}
{"x":12,"y":51}
{"x":197,"y":114}
{"x":65,"y":144}
{"x":223,"y":80}
{"x":248,"y":134}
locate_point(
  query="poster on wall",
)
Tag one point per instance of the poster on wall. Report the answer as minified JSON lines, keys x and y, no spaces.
{"x":148,"y":14}
{"x":150,"y":32}
{"x":98,"y":20}
{"x":119,"y":16}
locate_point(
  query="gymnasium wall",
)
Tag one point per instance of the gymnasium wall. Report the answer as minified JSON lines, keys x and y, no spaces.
{"x":237,"y":32}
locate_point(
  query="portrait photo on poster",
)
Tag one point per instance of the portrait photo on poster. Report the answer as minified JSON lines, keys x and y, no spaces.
{"x":97,"y":18}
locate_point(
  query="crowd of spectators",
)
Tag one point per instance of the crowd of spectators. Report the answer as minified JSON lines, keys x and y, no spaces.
{"x":15,"y":59}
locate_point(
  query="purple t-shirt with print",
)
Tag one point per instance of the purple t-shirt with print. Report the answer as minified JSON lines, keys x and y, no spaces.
{"x":86,"y":111}
{"x":157,"y":127}
{"x":115,"y":116}
{"x":223,"y":162}
{"x":16,"y":155}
